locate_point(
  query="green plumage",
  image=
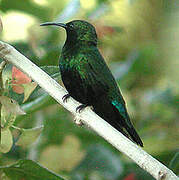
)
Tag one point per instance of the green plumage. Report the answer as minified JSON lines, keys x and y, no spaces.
{"x":88,"y":79}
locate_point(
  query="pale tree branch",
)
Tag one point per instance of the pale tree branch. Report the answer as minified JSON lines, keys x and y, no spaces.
{"x":87,"y":116}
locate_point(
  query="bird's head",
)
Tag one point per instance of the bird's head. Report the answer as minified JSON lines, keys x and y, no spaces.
{"x":77,"y":30}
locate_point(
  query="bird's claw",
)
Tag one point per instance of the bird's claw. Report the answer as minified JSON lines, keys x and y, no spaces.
{"x":81,"y":107}
{"x":65,"y":97}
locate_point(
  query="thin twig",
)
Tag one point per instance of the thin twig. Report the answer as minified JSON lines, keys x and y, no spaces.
{"x":88,"y":117}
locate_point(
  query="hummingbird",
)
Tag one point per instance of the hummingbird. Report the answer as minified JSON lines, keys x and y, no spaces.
{"x":88,"y":79}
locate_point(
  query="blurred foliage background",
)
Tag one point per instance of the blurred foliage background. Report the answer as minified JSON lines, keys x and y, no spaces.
{"x":140,"y":42}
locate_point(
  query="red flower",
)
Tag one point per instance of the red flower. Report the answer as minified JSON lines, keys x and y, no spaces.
{"x":19,"y":78}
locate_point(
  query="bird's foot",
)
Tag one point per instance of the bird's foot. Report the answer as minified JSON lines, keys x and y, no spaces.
{"x":78,"y":119}
{"x":65,"y":97}
{"x":81,"y":107}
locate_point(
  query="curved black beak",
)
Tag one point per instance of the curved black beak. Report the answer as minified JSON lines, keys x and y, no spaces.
{"x":54,"y":24}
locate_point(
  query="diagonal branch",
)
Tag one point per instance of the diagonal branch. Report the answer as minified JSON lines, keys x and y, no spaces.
{"x":87,"y":116}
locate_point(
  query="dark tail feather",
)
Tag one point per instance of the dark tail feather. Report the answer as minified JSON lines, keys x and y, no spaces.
{"x":135,"y":137}
{"x":130,"y":134}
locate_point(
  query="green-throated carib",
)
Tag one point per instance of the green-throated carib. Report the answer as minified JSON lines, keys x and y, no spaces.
{"x":88,"y":79}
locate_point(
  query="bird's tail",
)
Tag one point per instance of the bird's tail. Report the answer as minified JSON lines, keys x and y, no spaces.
{"x":129,"y":132}
{"x":133,"y":134}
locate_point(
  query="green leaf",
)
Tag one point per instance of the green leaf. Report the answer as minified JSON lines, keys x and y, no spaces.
{"x":11,"y":106}
{"x":100,"y":159}
{"x":174,"y":163}
{"x":7,"y":118}
{"x":28,"y":136}
{"x":4,"y":116}
{"x":7,"y":77}
{"x":28,"y":89}
{"x":6,"y":141}
{"x":29,"y":170}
